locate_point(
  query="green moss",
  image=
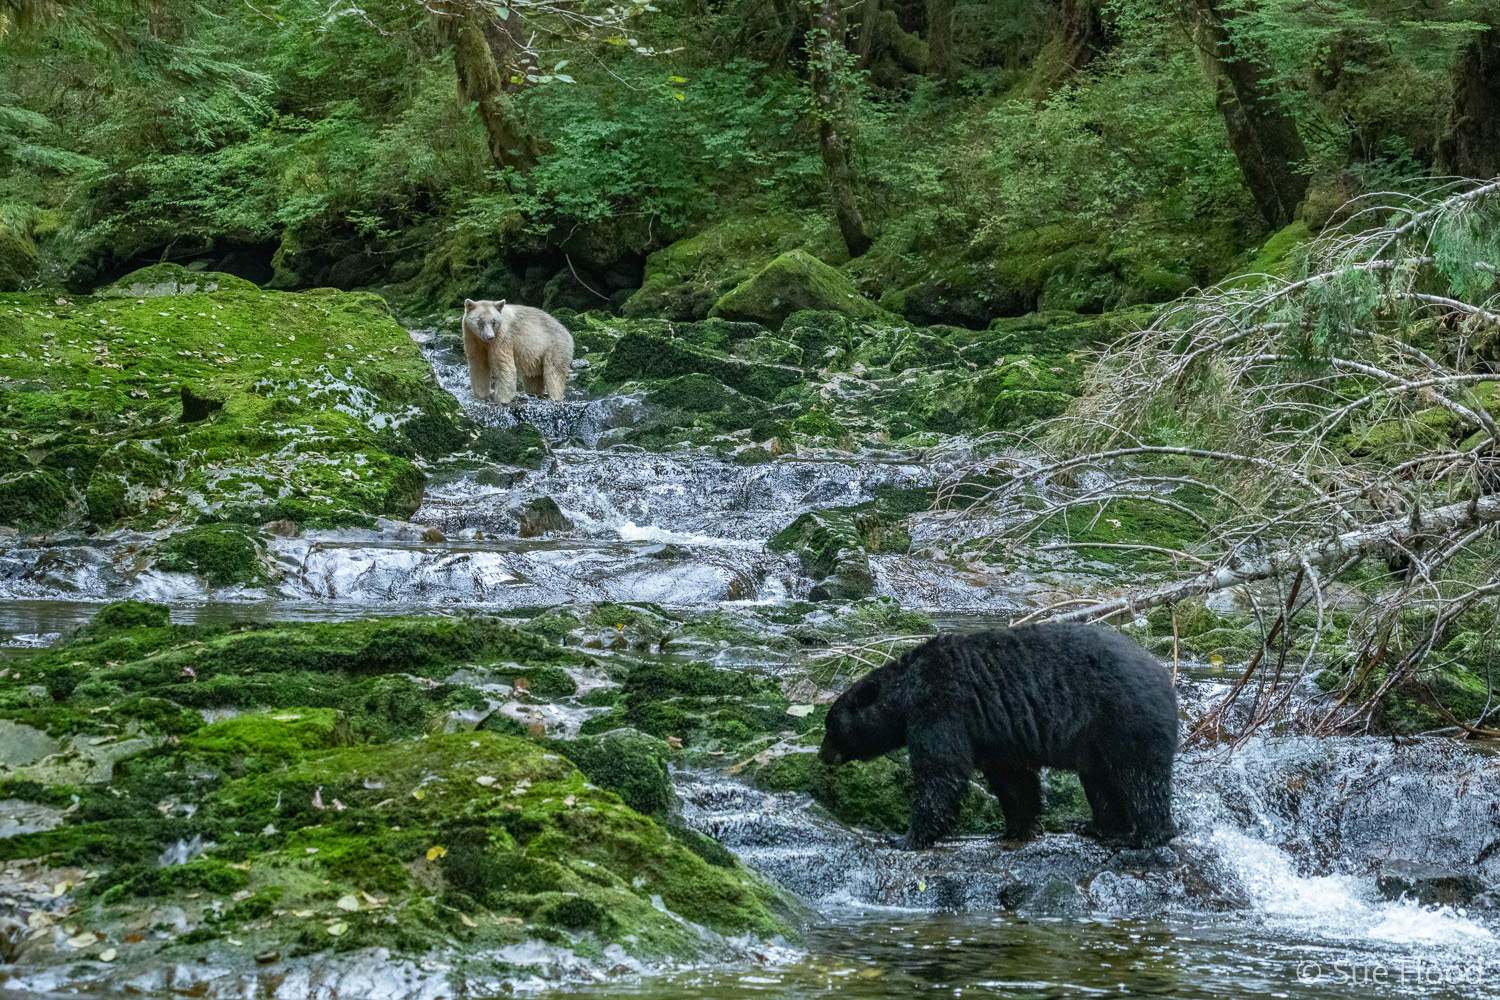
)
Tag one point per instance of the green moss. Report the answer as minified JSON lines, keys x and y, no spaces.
{"x":174,"y":279}
{"x":630,"y":764}
{"x":33,"y":499}
{"x":703,"y":707}
{"x":122,"y":616}
{"x":792,"y":282}
{"x":231,"y":405}
{"x":18,"y":258}
{"x":1280,"y":255}
{"x":640,"y":355}
{"x":685,"y":279}
{"x":224,"y":555}
{"x":455,"y":843}
{"x":833,"y":546}
{"x":825,"y":338}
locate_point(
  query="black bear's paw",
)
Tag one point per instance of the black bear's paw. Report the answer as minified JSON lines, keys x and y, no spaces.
{"x":1022,"y":834}
{"x":909,"y":841}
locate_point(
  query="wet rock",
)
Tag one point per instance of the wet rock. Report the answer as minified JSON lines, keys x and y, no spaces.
{"x":540,"y":516}
{"x":284,"y":528}
{"x":1427,"y":884}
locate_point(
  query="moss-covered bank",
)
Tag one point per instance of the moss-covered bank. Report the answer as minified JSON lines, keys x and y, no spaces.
{"x":305,"y":789}
{"x":178,"y":397}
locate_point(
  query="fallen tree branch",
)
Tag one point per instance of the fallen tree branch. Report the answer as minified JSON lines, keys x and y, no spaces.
{"x":1361,"y":541}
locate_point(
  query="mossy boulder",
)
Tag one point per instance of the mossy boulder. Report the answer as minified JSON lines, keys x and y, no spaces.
{"x":826,"y":338}
{"x":540,"y":516}
{"x":229,"y":405}
{"x":704,"y":708}
{"x":33,"y":499}
{"x":174,"y":279}
{"x":684,"y":279}
{"x":642,"y":356}
{"x":333,"y":793}
{"x":792,"y":282}
{"x":834,"y":545}
{"x":628,"y":763}
{"x":223,"y":555}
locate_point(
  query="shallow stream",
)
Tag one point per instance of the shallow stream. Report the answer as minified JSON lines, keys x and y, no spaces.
{"x":1271,"y":891}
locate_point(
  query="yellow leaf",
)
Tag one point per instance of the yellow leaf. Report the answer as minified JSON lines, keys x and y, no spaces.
{"x":433,"y":853}
{"x":677,"y":79}
{"x":419,"y":794}
{"x":679,"y":95}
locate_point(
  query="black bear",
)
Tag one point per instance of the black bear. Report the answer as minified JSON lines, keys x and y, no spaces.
{"x":1009,"y":701}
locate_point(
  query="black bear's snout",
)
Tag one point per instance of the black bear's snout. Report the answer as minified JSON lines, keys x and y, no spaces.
{"x":829,"y":755}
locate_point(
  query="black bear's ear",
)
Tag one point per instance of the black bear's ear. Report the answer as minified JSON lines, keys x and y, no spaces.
{"x":866,"y":694}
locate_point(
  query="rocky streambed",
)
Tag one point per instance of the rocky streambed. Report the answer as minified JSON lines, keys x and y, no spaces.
{"x":322,"y":679}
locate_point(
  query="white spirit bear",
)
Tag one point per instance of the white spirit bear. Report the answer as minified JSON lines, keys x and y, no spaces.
{"x":502,"y":340}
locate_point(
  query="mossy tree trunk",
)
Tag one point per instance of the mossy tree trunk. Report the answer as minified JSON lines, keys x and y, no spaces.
{"x":940,"y":39}
{"x":864,"y":37}
{"x":490,"y":66}
{"x":1471,"y":143}
{"x":1083,"y":36}
{"x":1262,"y":132}
{"x":827,"y":67}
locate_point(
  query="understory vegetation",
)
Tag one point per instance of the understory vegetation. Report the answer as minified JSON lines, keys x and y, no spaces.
{"x":956,"y":160}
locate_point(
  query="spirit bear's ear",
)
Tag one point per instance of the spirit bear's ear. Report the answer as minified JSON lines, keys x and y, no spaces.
{"x":469,"y":305}
{"x":499,"y":305}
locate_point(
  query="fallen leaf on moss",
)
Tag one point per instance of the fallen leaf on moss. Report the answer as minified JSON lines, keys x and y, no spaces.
{"x":349,"y":902}
{"x":467,"y":922}
{"x":337,"y":928}
{"x":800,"y":711}
{"x":485,"y":780}
{"x":82,"y":941}
{"x":108,"y":955}
{"x":435,"y":852}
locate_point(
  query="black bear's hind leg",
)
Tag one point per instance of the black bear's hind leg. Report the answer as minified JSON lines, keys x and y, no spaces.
{"x":939,"y":781}
{"x":1149,"y":797}
{"x":1020,"y":795}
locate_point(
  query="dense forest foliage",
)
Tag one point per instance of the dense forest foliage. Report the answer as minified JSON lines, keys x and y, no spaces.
{"x":975,"y":158}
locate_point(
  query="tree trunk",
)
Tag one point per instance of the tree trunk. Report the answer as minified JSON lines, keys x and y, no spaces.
{"x":1471,"y":143}
{"x":864,"y":39}
{"x":940,"y":39}
{"x":480,"y":49}
{"x":1083,"y":36}
{"x":1262,"y":133}
{"x":825,"y":63}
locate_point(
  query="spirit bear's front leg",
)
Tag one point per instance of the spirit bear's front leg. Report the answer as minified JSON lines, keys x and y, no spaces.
{"x":478,"y":356}
{"x":503,"y":364}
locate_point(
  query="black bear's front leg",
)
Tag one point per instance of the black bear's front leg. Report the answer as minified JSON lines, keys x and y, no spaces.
{"x":1020,"y":795}
{"x":940,"y":770}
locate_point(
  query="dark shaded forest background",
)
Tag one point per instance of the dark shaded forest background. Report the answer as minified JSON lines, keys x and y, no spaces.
{"x":958,"y":159}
